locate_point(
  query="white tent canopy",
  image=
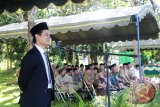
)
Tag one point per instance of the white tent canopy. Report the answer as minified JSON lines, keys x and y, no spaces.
{"x":145,"y":44}
{"x":99,"y":26}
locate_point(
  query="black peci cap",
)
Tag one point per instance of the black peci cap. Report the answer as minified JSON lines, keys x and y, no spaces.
{"x":39,"y":27}
{"x":128,"y":63}
{"x":113,"y":65}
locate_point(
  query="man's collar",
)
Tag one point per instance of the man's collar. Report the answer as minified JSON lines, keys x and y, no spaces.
{"x":39,"y":48}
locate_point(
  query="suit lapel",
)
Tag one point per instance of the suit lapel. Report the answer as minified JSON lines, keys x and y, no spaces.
{"x":41,"y":59}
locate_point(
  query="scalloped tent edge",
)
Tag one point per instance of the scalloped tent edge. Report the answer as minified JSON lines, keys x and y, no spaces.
{"x":28,"y":4}
{"x":105,"y":25}
{"x":145,"y":44}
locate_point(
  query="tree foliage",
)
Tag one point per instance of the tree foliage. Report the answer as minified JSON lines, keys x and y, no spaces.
{"x":8,"y":18}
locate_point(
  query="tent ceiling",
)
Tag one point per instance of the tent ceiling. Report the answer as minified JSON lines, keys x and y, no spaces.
{"x":99,"y":26}
{"x":13,"y":5}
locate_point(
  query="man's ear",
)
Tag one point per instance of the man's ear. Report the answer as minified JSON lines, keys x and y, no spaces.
{"x":36,"y":36}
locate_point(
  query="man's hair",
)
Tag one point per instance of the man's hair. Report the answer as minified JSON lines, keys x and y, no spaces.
{"x":61,"y":70}
{"x":95,"y":68}
{"x":87,"y":67}
{"x":34,"y":37}
{"x":65,"y":64}
{"x":74,"y":69}
{"x":81,"y":65}
{"x":76,"y":65}
{"x":101,"y":64}
{"x":95,"y":63}
{"x":68,"y":70}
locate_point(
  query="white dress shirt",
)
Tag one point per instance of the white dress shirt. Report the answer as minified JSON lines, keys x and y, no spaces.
{"x":41,"y":50}
{"x":136,"y":73}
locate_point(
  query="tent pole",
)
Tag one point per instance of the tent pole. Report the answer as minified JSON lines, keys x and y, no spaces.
{"x":138,"y":43}
{"x":106,"y":56}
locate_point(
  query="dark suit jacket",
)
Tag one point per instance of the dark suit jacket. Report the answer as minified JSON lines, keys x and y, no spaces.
{"x":33,"y":80}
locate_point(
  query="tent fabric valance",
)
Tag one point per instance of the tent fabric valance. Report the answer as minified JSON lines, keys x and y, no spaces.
{"x":13,"y":5}
{"x":145,"y":44}
{"x":105,"y":25}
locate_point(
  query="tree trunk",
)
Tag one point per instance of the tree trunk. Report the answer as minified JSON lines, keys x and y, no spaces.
{"x":135,"y":52}
{"x":66,"y":54}
{"x":104,"y":47}
{"x":10,"y":61}
{"x":95,"y":59}
{"x":153,"y":4}
{"x":74,"y":55}
{"x":89,"y":56}
{"x":31,"y":17}
{"x":7,"y":56}
{"x":134,"y":2}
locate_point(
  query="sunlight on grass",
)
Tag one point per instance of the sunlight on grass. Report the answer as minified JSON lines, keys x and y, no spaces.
{"x":3,"y":65}
{"x":9,"y":89}
{"x":9,"y":95}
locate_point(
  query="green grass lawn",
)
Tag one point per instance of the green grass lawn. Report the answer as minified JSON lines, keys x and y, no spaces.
{"x":9,"y":93}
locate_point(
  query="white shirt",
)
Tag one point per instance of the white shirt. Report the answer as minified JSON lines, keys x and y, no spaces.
{"x":41,"y":50}
{"x":59,"y":80}
{"x":136,"y":73}
{"x":68,"y":78}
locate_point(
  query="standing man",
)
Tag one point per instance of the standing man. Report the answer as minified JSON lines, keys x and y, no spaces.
{"x":36,"y":79}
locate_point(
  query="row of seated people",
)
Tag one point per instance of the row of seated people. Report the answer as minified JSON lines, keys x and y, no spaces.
{"x":72,"y":77}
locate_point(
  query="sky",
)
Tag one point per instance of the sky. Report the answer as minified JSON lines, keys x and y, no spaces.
{"x":157,"y":2}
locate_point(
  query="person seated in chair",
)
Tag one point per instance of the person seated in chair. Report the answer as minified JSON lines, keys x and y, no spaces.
{"x":77,"y":78}
{"x":115,"y":80}
{"x":100,"y":84}
{"x":88,"y":78}
{"x":68,"y":79}
{"x":59,"y":80}
{"x":81,"y":70}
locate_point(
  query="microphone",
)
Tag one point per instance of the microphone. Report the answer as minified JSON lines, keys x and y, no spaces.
{"x":54,"y":46}
{"x":58,"y":44}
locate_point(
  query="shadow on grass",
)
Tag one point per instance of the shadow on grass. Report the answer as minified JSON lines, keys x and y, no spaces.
{"x":54,"y":104}
{"x":67,"y":104}
{"x":9,"y":91}
{"x":10,"y":100}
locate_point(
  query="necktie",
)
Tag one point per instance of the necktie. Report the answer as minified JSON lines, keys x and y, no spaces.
{"x":48,"y":67}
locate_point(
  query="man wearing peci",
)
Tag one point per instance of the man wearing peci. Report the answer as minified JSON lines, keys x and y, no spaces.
{"x":36,"y":79}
